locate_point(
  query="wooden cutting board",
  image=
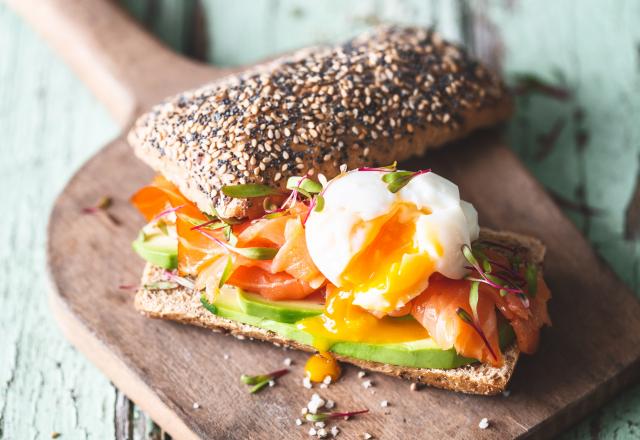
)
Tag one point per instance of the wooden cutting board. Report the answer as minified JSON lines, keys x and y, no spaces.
{"x":591,"y":352}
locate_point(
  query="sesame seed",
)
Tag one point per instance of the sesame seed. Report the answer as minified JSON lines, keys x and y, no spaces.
{"x":384,"y":85}
{"x":384,"y":404}
{"x":196,"y":405}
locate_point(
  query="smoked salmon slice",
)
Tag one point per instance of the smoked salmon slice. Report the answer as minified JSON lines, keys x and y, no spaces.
{"x":436,"y":309}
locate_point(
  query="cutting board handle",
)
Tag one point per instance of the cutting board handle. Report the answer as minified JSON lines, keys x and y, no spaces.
{"x":127,"y":68}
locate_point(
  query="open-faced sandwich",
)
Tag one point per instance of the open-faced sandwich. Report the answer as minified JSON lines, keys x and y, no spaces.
{"x":275,"y":215}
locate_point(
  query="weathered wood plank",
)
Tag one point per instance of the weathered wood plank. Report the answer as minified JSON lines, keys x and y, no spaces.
{"x":246,"y":31}
{"x":50,"y":125}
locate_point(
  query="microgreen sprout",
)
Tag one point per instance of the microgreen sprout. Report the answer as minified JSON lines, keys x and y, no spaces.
{"x":184,"y":282}
{"x":161,"y":285}
{"x":464,"y":315}
{"x":103,"y":203}
{"x":396,"y":180}
{"x":253,"y":253}
{"x":207,"y":305}
{"x":167,"y":212}
{"x":248,"y":190}
{"x":262,"y":380}
{"x":322,"y":416}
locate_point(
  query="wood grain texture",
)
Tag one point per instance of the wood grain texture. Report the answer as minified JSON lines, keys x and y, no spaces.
{"x":50,"y":125}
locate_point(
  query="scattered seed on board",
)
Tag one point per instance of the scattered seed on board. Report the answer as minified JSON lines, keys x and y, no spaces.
{"x":484,"y":423}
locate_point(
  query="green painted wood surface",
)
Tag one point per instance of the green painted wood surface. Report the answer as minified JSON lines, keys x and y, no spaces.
{"x":585,"y":149}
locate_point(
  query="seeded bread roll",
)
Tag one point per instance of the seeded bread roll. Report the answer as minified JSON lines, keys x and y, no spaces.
{"x":380,"y":97}
{"x":183,"y":305}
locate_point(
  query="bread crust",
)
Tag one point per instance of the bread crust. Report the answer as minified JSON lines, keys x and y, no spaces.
{"x":384,"y":96}
{"x":183,"y":305}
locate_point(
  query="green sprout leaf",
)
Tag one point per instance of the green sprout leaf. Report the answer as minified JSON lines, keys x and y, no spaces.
{"x":248,"y":190}
{"x":319,"y":206}
{"x":397,"y":180}
{"x":257,"y":253}
{"x":161,"y":285}
{"x":207,"y":305}
{"x":473,"y":298}
{"x":304,"y":185}
{"x":531,"y":275}
{"x":226,"y":273}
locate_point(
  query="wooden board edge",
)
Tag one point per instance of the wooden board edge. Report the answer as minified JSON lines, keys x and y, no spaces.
{"x":114,"y":368}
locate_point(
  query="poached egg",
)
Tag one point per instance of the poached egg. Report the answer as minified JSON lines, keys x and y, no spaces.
{"x":382,"y":247}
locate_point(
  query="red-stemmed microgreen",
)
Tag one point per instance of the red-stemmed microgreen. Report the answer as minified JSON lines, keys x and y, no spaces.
{"x":161,"y":285}
{"x":226,"y":272}
{"x":322,"y":416}
{"x":166,"y":212}
{"x":177,"y":279}
{"x":248,"y":190}
{"x":385,"y":169}
{"x":207,"y":305}
{"x":262,"y":380}
{"x":500,"y":281}
{"x":102,"y":204}
{"x":253,"y":253}
{"x":396,"y":180}
{"x":531,"y":276}
{"x":210,"y":224}
{"x":465,"y":317}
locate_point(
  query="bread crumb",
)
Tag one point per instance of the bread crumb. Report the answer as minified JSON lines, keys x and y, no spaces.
{"x":324,"y":386}
{"x":335,"y":431}
{"x":484,"y":423}
{"x":330,"y":404}
{"x":272,"y":383}
{"x":240,"y":337}
{"x":415,"y":387}
{"x":320,"y":424}
{"x":304,"y":411}
{"x":306,"y":382}
{"x":315,"y":403}
{"x":384,"y":403}
{"x":367,"y":436}
{"x":196,"y":405}
{"x":298,"y":422}
{"x":362,"y":374}
{"x":288,"y":362}
{"x":327,"y":380}
{"x":312,"y":431}
{"x":322,"y":433}
{"x":225,"y":356}
{"x":367,"y":384}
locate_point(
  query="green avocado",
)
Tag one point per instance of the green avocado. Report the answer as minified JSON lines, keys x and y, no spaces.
{"x":281,"y":311}
{"x":421,"y":353}
{"x":158,"y":249}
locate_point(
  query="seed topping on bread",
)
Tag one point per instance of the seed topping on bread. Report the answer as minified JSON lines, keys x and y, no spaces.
{"x":315,"y":110}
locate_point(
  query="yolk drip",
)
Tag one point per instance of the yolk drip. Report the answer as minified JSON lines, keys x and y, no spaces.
{"x":321,"y":365}
{"x":344,"y":321}
{"x":382,"y":278}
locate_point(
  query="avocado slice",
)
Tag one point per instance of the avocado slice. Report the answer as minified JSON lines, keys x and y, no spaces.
{"x":158,"y":249}
{"x":281,"y":311}
{"x":423,"y":353}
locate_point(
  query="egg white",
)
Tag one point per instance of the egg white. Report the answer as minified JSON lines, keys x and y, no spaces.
{"x":355,"y":204}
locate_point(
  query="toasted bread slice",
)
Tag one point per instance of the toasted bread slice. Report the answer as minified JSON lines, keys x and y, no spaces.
{"x":183,"y":305}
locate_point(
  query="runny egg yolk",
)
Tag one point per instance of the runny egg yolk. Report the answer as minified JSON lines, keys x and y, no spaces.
{"x":344,"y":321}
{"x":390,"y":271}
{"x":321,"y":365}
{"x":395,"y":266}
